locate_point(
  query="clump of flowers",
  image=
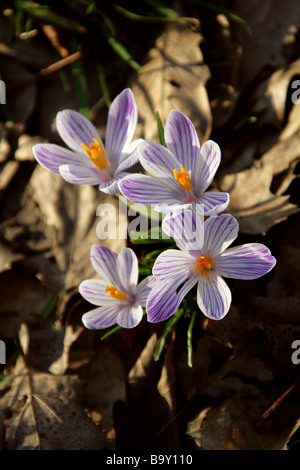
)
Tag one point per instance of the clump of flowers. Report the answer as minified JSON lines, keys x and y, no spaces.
{"x":180,"y":172}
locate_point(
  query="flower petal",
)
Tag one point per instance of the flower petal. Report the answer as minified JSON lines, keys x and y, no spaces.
{"x":143,"y":290}
{"x":219,"y":233}
{"x":206,"y":166}
{"x":159,"y":162}
{"x":130,"y":156}
{"x":80,"y":174}
{"x":144,"y":189}
{"x":104,"y":261}
{"x":172,"y":264}
{"x":181,"y":139}
{"x":163,"y":301}
{"x":94,"y":291}
{"x":213,"y":296}
{"x":101,"y":317}
{"x":128,"y":271}
{"x":248,"y":261}
{"x":213,"y":202}
{"x":112,"y":186}
{"x":52,"y":156}
{"x":130,"y":316}
{"x":121,"y":124}
{"x":187,"y":229}
{"x":75,"y":129}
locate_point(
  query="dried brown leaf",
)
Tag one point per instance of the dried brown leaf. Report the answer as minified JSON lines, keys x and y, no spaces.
{"x":253,"y":204}
{"x":106,"y":385}
{"x":44,"y":412}
{"x":174,"y":77}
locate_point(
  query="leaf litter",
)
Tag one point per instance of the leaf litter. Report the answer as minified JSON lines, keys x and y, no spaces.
{"x":65,"y":388}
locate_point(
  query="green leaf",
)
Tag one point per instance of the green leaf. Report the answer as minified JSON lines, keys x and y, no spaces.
{"x":160,"y":130}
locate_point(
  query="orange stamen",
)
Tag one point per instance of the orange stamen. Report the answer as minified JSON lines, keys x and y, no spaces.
{"x":96,"y":154}
{"x":183,"y":178}
{"x":203,"y":265}
{"x":115,"y":293}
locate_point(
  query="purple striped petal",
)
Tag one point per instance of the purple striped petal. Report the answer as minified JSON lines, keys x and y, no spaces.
{"x":143,"y":290}
{"x":112,"y":186}
{"x":219,"y":233}
{"x":213,"y":202}
{"x":187,"y":229}
{"x":130,"y":316}
{"x":181,"y":139}
{"x":121,"y":124}
{"x":130,"y":157}
{"x":94,"y":291}
{"x":101,"y":317}
{"x":75,"y":129}
{"x":159,"y":162}
{"x":52,"y":156}
{"x":206,"y":166}
{"x":163,"y":301}
{"x":128,"y":271}
{"x":104,"y":262}
{"x":172,"y":264}
{"x":248,"y":261}
{"x":76,"y":173}
{"x":147,"y":190}
{"x":213,"y":296}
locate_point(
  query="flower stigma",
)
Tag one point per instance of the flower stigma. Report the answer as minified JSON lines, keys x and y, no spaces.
{"x":96,"y":154}
{"x":115,"y":293}
{"x":183,"y":178}
{"x":204,"y":264}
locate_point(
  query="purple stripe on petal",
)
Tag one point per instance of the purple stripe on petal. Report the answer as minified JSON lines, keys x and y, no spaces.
{"x":187,"y":229}
{"x":181,"y":139}
{"x":248,"y":261}
{"x":75,"y":129}
{"x":128,"y":271}
{"x":206,"y":166}
{"x":163,"y":301}
{"x":143,"y":290}
{"x":94,"y":291}
{"x":112,"y":186}
{"x":147,"y":190}
{"x":130,"y":156}
{"x":76,"y":173}
{"x":130,"y":316}
{"x":213,"y":296}
{"x":104,"y":262}
{"x":219,"y":233}
{"x":159,"y":162}
{"x":101,"y":317}
{"x":121,"y":124}
{"x":52,"y":156}
{"x":213,"y":202}
{"x":173,"y":263}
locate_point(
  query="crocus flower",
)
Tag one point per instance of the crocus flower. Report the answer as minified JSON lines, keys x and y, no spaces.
{"x":180,"y":173}
{"x":118,"y":296}
{"x":88,"y":161}
{"x":204,"y":267}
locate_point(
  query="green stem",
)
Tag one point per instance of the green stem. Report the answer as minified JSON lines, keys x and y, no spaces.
{"x":190,"y":339}
{"x":168,"y":329}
